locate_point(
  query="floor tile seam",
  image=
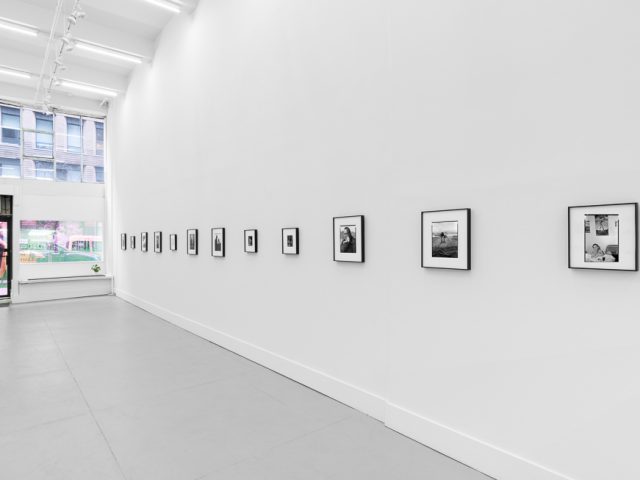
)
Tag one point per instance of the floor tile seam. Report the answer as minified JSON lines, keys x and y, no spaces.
{"x":42,"y":424}
{"x":84,"y":398}
{"x":29,"y":375}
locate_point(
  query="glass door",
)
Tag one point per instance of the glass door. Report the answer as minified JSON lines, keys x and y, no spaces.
{"x":5,"y":256}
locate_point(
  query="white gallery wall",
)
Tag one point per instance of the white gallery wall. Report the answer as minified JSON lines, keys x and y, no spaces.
{"x":285,"y":113}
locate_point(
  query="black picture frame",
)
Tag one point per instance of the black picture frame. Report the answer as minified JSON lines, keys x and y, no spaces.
{"x":285,"y":248}
{"x":251,"y":237}
{"x":173,"y":242}
{"x":144,"y":241}
{"x":157,"y":242}
{"x":192,"y":247}
{"x":132,"y":242}
{"x":599,"y":265}
{"x":359,"y":244}
{"x":466,"y":217}
{"x":123,"y":241}
{"x":218,"y":233}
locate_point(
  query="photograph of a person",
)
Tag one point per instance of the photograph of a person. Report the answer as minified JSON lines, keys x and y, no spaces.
{"x":251,"y":241}
{"x":348,"y":235}
{"x":123,"y":241}
{"x":132,"y":242}
{"x":604,"y":237}
{"x":173,"y":242}
{"x":290,"y":241}
{"x":157,"y":242}
{"x":444,"y":239}
{"x":348,"y":239}
{"x":217,"y":242}
{"x":602,"y":247}
{"x":192,"y":241}
{"x":144,"y":241}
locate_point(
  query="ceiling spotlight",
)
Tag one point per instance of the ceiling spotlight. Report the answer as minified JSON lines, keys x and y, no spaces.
{"x":72,"y":19}
{"x":172,"y":7}
{"x":59,"y":65}
{"x":108,"y":51}
{"x":12,"y":72}
{"x":85,"y":87}
{"x":68,"y":44}
{"x":78,"y":14}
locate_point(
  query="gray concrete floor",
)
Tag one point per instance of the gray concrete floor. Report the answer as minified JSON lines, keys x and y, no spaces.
{"x":97,"y":389}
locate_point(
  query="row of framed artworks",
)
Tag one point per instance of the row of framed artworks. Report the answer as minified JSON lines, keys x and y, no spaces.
{"x":218,"y":241}
{"x":449,"y":240}
{"x":601,"y":237}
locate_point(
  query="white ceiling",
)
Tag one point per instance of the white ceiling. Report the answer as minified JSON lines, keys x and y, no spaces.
{"x":128,"y":25}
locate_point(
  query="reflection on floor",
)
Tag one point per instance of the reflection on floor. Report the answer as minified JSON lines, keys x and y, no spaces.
{"x":97,"y":389}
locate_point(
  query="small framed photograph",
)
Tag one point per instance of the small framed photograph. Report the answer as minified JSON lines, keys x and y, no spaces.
{"x":604,"y":237}
{"x":251,"y":241}
{"x":123,"y":241}
{"x":144,"y":241}
{"x":173,"y":242}
{"x":290,"y":245}
{"x":348,"y":239}
{"x":132,"y":242}
{"x":192,"y":241}
{"x":217,"y":242}
{"x":157,"y":242}
{"x":446,"y":239}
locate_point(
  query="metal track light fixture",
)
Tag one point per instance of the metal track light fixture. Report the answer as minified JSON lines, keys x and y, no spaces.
{"x":66,"y":44}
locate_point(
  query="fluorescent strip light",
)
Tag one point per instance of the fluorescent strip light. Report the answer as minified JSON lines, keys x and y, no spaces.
{"x":85,"y":87}
{"x":15,"y":73}
{"x":172,"y":7}
{"x":18,"y":27}
{"x":108,"y":52}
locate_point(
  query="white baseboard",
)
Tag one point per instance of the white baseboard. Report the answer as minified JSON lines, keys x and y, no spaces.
{"x":478,"y":454}
{"x":355,"y":397}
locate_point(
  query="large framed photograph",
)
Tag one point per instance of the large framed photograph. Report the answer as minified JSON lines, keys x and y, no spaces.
{"x":157,"y":242}
{"x":144,"y":241}
{"x":290,"y":241}
{"x":123,"y":241}
{"x":251,"y":241}
{"x":348,"y":239}
{"x":446,"y":239}
{"x":192,"y":241}
{"x":604,"y":237}
{"x":173,"y":242}
{"x":132,"y":242}
{"x":217,"y":242}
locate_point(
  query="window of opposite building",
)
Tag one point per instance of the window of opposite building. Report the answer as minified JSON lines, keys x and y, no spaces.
{"x":45,"y":146}
{"x":10,"y":121}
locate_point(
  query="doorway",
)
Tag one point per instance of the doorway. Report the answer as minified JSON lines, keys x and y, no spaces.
{"x":6,"y":237}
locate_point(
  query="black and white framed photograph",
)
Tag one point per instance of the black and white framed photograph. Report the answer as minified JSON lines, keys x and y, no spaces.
{"x":132,"y":242}
{"x":348,"y":239}
{"x":446,"y":239}
{"x":144,"y":241}
{"x":604,"y":237}
{"x":217,"y":242}
{"x":192,"y":241}
{"x":173,"y":242}
{"x":251,"y":241}
{"x":290,"y":241}
{"x":157,"y":242}
{"x":123,"y":241}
